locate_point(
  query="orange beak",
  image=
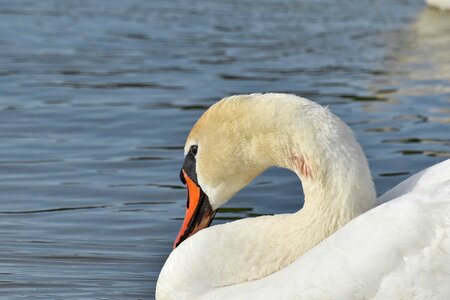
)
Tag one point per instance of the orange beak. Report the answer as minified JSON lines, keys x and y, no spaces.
{"x":199,"y":213}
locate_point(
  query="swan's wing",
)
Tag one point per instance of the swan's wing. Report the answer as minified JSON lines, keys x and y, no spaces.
{"x":398,"y":250}
{"x":438,"y":174}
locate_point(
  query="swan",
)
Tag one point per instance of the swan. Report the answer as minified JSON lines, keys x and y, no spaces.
{"x":439,"y":4}
{"x":341,"y":245}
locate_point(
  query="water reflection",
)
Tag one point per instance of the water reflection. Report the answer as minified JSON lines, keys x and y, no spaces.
{"x":414,"y":118}
{"x":422,"y":57}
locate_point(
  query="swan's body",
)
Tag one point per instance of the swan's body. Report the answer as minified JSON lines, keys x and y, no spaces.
{"x":404,"y":242}
{"x":398,"y":250}
{"x":440,"y":4}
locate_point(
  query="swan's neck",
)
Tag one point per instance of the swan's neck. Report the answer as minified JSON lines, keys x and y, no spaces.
{"x":341,"y":192}
{"x":254,"y":248}
{"x":337,"y":185}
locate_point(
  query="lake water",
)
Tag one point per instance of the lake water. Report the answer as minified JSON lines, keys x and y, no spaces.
{"x":97,"y":97}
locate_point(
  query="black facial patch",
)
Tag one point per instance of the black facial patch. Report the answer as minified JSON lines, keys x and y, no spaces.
{"x":189,"y":168}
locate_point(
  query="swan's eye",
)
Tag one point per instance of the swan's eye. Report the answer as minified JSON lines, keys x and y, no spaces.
{"x":194,"y":149}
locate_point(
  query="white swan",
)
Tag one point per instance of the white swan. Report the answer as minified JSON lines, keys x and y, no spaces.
{"x":440,"y":4}
{"x":398,"y":250}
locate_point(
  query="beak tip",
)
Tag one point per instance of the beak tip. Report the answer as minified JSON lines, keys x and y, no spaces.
{"x":177,"y":242}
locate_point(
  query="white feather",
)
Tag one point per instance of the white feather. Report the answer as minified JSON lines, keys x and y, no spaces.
{"x":398,"y":250}
{"x":440,"y":4}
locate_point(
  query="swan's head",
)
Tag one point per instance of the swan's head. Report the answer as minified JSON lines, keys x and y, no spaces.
{"x":239,"y":137}
{"x":225,"y":150}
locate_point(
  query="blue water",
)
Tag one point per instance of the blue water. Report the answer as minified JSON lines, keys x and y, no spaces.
{"x":97,"y":97}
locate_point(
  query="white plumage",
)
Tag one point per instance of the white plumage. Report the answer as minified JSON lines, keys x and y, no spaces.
{"x":397,"y":250}
{"x":440,"y":4}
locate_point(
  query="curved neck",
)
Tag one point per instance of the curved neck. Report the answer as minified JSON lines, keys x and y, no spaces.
{"x":340,"y":190}
{"x":335,"y":175}
{"x":320,"y":148}
{"x":253,"y":248}
{"x":337,"y":185}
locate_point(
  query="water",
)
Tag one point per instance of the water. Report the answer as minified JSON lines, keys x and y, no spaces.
{"x":97,"y":97}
